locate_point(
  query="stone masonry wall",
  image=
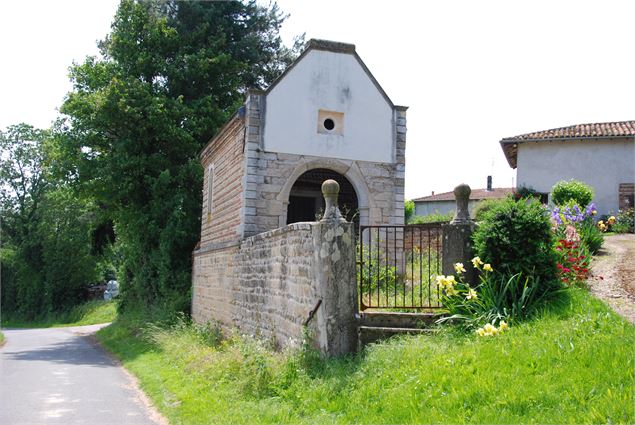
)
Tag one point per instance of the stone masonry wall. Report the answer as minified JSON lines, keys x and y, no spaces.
{"x":225,"y":154}
{"x":269,"y":176}
{"x":263,"y":285}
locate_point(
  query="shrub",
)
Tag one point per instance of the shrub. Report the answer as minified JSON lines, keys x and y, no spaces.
{"x":483,"y":207}
{"x":515,"y":237}
{"x":409,"y":210}
{"x":572,"y":190}
{"x":432,"y":218}
{"x":525,"y":192}
{"x":624,"y":222}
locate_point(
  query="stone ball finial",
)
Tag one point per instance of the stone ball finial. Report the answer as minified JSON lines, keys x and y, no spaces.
{"x":330,"y":191}
{"x":462,"y":195}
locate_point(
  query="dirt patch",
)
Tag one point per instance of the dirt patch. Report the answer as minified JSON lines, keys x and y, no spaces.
{"x":614,"y":274}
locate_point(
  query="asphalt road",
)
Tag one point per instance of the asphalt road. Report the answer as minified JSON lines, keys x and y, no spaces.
{"x":58,"y":376}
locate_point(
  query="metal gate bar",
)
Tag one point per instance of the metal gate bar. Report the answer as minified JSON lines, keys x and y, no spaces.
{"x":397,"y":266}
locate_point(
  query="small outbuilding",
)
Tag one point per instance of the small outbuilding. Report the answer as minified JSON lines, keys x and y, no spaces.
{"x":325,"y":117}
{"x":600,"y":154}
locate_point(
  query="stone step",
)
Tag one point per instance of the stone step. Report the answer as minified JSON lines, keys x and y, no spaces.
{"x":369,"y":334}
{"x":398,"y":320}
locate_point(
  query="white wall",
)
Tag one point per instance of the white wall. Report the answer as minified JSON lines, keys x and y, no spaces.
{"x":602,"y":164}
{"x":335,"y":82}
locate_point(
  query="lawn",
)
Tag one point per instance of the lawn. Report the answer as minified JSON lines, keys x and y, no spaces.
{"x":571,"y":364}
{"x":88,"y":313}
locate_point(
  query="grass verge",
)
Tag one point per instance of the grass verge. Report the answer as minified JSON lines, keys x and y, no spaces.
{"x":1,"y":339}
{"x":571,"y":364}
{"x":88,"y":313}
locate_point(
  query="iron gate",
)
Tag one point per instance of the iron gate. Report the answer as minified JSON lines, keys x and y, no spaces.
{"x":397,"y":266}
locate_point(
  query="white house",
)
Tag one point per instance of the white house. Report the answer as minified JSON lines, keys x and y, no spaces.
{"x":600,"y":154}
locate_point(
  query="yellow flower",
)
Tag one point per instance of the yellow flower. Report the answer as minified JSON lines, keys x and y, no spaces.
{"x":489,"y":330}
{"x":471,"y":294}
{"x":611,"y":220}
{"x":502,"y":326}
{"x":600,"y":223}
{"x":450,"y":291}
{"x":458,"y":267}
{"x":594,"y":212}
{"x":488,"y":267}
{"x":476,"y":262}
{"x":480,"y":332}
{"x":450,"y":280}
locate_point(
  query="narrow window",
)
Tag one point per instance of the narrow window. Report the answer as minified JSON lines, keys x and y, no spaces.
{"x":210,"y":188}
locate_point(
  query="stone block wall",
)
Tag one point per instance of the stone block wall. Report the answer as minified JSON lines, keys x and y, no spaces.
{"x":269,"y":176}
{"x":267,"y":285}
{"x":222,"y":160}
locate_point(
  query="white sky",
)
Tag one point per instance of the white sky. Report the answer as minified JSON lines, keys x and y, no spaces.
{"x":471,"y":72}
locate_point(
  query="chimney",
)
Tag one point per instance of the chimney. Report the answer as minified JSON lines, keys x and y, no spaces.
{"x":433,"y":193}
{"x":489,"y":183}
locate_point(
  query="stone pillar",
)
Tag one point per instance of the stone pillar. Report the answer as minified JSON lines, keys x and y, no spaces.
{"x":457,"y":236}
{"x":334,"y":267}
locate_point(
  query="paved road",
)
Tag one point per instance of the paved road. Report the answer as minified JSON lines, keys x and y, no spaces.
{"x":58,"y":376}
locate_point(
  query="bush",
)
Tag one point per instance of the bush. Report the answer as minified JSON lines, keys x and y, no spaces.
{"x":515,"y":237}
{"x":483,"y":207}
{"x":432,"y":218}
{"x":624,"y":222}
{"x":572,"y":190}
{"x":409,"y":210}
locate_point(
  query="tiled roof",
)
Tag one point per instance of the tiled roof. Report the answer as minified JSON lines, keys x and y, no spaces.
{"x":603,"y":130}
{"x":476,"y":195}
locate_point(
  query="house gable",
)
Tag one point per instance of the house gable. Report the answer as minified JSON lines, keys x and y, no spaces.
{"x":329,"y":82}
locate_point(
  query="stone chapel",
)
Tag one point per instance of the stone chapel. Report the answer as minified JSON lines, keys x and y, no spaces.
{"x":325,"y":117}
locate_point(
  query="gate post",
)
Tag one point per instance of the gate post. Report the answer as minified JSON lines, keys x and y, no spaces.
{"x":457,"y":236}
{"x":334,"y":271}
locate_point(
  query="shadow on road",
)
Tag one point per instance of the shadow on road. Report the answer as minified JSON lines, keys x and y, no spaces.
{"x":78,"y":351}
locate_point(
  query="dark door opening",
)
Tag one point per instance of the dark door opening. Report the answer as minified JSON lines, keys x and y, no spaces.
{"x":307,"y":204}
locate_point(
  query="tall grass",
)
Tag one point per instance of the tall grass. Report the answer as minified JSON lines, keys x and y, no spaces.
{"x":570,"y":364}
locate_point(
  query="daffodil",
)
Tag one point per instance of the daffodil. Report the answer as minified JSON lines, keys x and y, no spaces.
{"x":480,"y":332}
{"x":487,"y":267}
{"x":502,"y":326}
{"x":471,"y":294}
{"x":458,"y":267}
{"x":476,"y":262}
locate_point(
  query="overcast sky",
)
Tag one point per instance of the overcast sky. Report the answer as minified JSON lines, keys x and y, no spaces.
{"x":471,"y":72}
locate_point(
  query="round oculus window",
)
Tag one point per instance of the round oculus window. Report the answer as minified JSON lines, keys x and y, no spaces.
{"x":329,"y":124}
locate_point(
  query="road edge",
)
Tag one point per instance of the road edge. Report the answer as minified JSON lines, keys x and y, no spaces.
{"x":154,"y":414}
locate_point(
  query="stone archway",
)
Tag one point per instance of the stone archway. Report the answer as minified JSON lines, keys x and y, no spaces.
{"x":348,"y":169}
{"x":306,"y":202}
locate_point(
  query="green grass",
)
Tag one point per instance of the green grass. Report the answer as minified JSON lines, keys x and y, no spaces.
{"x":1,"y":339}
{"x":89,"y":313}
{"x":571,"y":364}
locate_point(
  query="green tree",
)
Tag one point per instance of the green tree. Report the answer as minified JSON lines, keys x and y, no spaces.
{"x":23,"y":185}
{"x":47,"y":263}
{"x":169,"y":75}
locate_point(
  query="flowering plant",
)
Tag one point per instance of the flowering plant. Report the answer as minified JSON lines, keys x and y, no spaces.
{"x":573,"y":262}
{"x":572,"y":216}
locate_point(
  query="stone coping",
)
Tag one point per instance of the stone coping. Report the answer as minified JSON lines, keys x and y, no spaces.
{"x":307,"y":225}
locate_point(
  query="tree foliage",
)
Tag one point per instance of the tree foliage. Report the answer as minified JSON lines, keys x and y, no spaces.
{"x":169,"y":75}
{"x":46,"y":250}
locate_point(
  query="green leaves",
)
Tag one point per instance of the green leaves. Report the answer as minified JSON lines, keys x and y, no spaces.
{"x":169,"y":75}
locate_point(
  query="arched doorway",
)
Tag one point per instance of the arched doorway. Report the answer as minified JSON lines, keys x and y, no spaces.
{"x":307,"y":204}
